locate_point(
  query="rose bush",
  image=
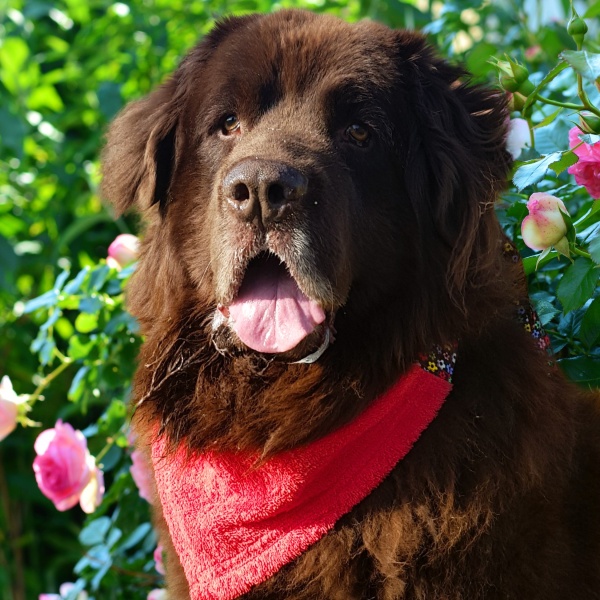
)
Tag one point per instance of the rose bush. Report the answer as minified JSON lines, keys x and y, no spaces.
{"x":69,"y":341}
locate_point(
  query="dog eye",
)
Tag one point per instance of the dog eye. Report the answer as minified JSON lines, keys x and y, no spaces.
{"x":231,"y":124}
{"x":358,"y":134}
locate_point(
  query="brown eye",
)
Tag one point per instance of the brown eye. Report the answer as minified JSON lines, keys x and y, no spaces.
{"x":231,"y":124}
{"x":358,"y":134}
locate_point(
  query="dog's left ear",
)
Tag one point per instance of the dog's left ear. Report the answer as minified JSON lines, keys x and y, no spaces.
{"x":140,"y":153}
{"x":144,"y":142}
{"x":454,"y":152}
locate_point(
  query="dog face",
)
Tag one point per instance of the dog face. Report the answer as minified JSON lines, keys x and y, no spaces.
{"x":303,"y":176}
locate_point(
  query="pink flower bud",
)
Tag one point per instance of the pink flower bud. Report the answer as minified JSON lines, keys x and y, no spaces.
{"x":158,"y":595}
{"x":518,"y":136}
{"x":140,"y":471}
{"x":9,"y":410}
{"x":544,"y":226}
{"x":123,"y":250}
{"x":62,"y":465}
{"x":587,"y":169}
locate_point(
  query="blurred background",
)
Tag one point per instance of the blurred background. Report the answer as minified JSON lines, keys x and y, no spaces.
{"x":66,"y":68}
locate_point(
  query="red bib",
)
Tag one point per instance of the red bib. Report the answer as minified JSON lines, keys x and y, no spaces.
{"x":235,"y":525}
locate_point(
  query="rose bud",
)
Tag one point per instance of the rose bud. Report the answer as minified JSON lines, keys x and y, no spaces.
{"x":545,"y":226}
{"x":123,"y":251}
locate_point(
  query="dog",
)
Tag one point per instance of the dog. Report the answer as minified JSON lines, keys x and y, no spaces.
{"x":343,"y":390}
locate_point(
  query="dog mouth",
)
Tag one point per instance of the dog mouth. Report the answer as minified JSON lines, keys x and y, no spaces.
{"x":269,"y":312}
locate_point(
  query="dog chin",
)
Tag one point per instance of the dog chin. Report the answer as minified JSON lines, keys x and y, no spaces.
{"x":308,"y":350}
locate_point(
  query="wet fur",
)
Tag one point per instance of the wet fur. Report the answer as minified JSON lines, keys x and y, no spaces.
{"x":500,"y":497}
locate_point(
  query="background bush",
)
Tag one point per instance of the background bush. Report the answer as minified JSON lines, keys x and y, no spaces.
{"x":66,"y":68}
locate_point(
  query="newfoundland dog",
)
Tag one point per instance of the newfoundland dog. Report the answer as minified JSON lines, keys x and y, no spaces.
{"x":344,"y":393}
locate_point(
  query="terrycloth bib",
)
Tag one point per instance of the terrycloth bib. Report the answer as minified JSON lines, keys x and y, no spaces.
{"x":235,"y":524}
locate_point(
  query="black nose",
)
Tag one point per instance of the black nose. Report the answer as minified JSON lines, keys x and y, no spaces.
{"x":263,"y":189}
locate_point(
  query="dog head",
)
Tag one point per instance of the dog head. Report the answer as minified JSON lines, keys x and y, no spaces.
{"x":302,"y":177}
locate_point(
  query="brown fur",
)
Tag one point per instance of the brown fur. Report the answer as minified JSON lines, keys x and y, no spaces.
{"x":500,"y":497}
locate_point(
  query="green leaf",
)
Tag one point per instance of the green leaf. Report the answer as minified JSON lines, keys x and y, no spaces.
{"x":78,"y":384}
{"x":90,"y":304}
{"x":12,"y":131}
{"x":594,"y":247}
{"x":545,"y":311}
{"x":45,"y":97}
{"x":584,"y":370}
{"x":44,"y":301}
{"x":533,"y":171}
{"x":74,"y":285}
{"x":95,"y":531}
{"x":567,"y":160}
{"x":592,"y":11}
{"x":111,"y":458}
{"x":577,"y":284}
{"x":552,"y":74}
{"x":587,"y":64}
{"x":13,"y":56}
{"x":80,"y":346}
{"x":85,"y":323}
{"x":549,"y":119}
{"x":590,"y":325}
{"x":139,"y":533}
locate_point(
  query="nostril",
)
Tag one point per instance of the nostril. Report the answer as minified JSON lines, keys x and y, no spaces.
{"x":240,"y":192}
{"x":276,"y":194}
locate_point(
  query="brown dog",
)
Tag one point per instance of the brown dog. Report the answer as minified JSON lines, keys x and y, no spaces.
{"x":323,"y":192}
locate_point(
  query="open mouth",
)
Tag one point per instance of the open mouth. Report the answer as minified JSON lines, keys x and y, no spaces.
{"x":270,"y":313}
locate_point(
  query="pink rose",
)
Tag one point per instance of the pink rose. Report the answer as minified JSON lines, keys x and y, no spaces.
{"x":544,"y":226}
{"x":142,"y":476}
{"x":158,"y":595}
{"x":518,"y":136}
{"x":123,"y":251}
{"x":64,"y":467}
{"x":587,"y":169}
{"x":9,"y":407}
{"x":158,"y":559}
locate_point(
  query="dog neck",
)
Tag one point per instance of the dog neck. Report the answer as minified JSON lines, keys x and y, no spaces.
{"x":235,"y":520}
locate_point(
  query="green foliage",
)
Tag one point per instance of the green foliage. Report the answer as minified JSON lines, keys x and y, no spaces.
{"x":66,"y":68}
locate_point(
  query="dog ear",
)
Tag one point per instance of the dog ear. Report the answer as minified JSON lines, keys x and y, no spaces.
{"x":455,"y":158}
{"x":139,"y":157}
{"x":144,"y":142}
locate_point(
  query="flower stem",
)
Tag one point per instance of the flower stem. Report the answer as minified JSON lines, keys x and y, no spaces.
{"x":45,"y":382}
{"x":579,"y":252}
{"x":561,"y":104}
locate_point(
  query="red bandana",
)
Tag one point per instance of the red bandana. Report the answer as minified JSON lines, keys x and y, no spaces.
{"x":235,"y":525}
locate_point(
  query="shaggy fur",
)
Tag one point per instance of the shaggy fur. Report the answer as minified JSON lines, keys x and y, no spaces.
{"x":395,"y":236}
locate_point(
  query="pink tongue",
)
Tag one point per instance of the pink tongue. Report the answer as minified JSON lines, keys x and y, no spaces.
{"x":271,"y":314}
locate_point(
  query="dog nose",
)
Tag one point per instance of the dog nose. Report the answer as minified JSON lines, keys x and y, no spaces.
{"x":263,"y":189}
